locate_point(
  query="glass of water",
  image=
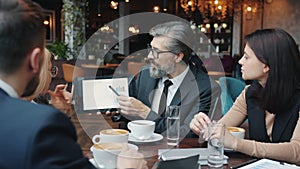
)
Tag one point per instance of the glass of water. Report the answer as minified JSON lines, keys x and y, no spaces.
{"x":173,"y":125}
{"x":215,"y":144}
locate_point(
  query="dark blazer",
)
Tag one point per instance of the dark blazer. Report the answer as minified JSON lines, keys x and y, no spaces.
{"x":196,"y":93}
{"x":37,"y":137}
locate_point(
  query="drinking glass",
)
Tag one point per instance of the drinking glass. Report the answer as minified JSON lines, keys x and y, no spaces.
{"x":173,"y":125}
{"x":215,"y":144}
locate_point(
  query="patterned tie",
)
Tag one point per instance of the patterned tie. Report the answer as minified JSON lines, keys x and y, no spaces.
{"x":163,"y":97}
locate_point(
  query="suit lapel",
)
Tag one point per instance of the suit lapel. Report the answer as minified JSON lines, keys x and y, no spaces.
{"x":177,"y":98}
{"x":280,"y":123}
{"x":283,"y":120}
{"x":256,"y":116}
{"x":184,"y":88}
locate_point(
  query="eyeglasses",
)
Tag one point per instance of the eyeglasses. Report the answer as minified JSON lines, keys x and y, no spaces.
{"x":155,"y":52}
{"x":53,"y":71}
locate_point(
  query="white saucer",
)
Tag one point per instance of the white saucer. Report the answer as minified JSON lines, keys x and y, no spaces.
{"x":228,"y":150}
{"x":153,"y":138}
{"x":130,"y":146}
{"x":93,"y":162}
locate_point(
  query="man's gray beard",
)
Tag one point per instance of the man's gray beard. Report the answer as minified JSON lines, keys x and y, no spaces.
{"x":159,"y":72}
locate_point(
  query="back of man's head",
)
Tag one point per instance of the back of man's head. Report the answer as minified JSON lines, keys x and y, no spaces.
{"x":21,"y":30}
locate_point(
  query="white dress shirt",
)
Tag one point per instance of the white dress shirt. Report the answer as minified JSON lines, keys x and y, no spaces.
{"x":8,"y":89}
{"x":171,"y":91}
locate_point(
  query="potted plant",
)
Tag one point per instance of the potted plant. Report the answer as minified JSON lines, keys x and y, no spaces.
{"x":60,"y":50}
{"x":62,"y":53}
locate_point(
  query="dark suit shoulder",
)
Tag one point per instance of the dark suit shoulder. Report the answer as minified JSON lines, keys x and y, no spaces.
{"x":38,"y":136}
{"x":42,"y":114}
{"x":203,"y":79}
{"x":144,"y":72}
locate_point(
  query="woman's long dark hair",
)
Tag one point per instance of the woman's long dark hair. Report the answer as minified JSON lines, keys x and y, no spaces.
{"x":277,"y":49}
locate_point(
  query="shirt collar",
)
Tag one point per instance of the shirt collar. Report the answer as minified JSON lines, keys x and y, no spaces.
{"x":8,"y":89}
{"x":178,"y":79}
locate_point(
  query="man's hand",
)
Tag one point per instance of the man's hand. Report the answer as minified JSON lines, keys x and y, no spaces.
{"x":132,"y":107}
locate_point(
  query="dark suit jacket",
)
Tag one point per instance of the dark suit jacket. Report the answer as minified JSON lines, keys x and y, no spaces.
{"x":37,"y":137}
{"x":196,"y":93}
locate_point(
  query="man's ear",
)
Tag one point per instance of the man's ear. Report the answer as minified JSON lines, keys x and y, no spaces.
{"x":179,"y":57}
{"x":35,"y":58}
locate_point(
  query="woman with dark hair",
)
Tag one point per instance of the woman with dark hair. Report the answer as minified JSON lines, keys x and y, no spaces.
{"x":271,"y":103}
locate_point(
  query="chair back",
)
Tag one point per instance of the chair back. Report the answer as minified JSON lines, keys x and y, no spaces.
{"x":71,"y":72}
{"x":230,"y":90}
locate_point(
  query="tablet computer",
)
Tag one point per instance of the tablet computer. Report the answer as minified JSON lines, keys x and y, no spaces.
{"x":98,"y":93}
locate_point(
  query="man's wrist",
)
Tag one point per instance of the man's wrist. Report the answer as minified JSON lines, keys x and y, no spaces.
{"x":145,"y":114}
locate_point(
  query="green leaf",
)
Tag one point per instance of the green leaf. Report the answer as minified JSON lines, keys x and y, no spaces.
{"x":60,"y":49}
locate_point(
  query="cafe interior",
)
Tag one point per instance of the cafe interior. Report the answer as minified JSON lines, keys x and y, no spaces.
{"x":96,"y":38}
{"x":224,"y":24}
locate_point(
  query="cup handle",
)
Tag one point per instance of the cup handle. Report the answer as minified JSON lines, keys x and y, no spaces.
{"x":129,"y":126}
{"x":94,"y":139}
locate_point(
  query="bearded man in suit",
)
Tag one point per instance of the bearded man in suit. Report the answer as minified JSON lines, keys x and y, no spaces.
{"x":170,"y":57}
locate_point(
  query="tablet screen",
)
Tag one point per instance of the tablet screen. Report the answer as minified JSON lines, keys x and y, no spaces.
{"x":96,"y":94}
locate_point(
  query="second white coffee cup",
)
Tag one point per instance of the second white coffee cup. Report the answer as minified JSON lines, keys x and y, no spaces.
{"x":237,"y":132}
{"x":141,"y":129}
{"x":111,"y":136}
{"x":106,"y":154}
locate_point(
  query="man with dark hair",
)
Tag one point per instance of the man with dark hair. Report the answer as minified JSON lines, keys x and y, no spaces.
{"x":32,"y":136}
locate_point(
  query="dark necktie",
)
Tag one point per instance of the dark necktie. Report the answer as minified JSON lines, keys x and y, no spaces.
{"x":163,"y":97}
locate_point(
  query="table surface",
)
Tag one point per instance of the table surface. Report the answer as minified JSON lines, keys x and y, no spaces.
{"x":95,"y":66}
{"x":92,"y":70}
{"x":89,"y":124}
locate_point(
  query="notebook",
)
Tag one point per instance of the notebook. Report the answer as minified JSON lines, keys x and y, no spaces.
{"x":266,"y":164}
{"x":188,"y":162}
{"x":178,"y":153}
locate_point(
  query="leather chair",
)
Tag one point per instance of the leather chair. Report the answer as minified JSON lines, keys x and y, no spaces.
{"x":230,"y":90}
{"x":71,"y":72}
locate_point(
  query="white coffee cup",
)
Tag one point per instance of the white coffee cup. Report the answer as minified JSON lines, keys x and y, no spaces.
{"x":111,"y":135}
{"x":106,"y":154}
{"x":141,"y":129}
{"x":237,"y":132}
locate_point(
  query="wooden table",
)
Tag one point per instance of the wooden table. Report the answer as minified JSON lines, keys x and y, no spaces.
{"x":235,"y":158}
{"x":94,"y":66}
{"x":89,"y":124}
{"x":98,"y":70}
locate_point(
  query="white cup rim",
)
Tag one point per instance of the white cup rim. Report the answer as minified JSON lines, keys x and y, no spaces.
{"x":127,"y":132}
{"x":113,"y":151}
{"x":130,"y":146}
{"x":142,"y":122}
{"x":239,"y":128}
